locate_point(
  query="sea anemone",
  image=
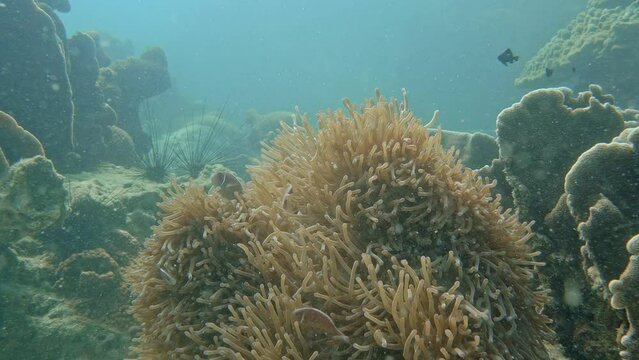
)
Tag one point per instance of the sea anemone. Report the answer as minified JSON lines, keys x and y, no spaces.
{"x":368,"y":222}
{"x":371,"y":221}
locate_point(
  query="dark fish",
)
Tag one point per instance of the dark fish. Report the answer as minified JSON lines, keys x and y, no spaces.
{"x":507,"y":57}
{"x":315,"y":319}
{"x":574,"y":69}
{"x":549,"y":72}
{"x":227,"y":184}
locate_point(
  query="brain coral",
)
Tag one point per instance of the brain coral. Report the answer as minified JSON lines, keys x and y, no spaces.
{"x":368,"y":222}
{"x":625,"y":296}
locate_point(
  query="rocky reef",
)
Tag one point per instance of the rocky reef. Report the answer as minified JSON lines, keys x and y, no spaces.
{"x":599,"y":46}
{"x":368,"y":234}
{"x":127,"y":83}
{"x":34,"y":81}
{"x":82,"y":106}
{"x":17,"y":143}
{"x":541,"y":136}
{"x":571,"y":163}
{"x":64,"y":248}
{"x":385,"y":243}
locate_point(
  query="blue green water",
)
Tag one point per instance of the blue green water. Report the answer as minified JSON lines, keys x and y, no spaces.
{"x":273,"y":55}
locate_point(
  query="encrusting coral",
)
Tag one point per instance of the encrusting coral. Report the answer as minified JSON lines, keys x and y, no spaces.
{"x":625,"y":296}
{"x":126,"y":83}
{"x":541,"y":136}
{"x":582,"y":223}
{"x":601,"y":193}
{"x":368,"y":222}
{"x":15,"y":142}
{"x":601,"y":189}
{"x":598,"y":46}
{"x":475,"y":149}
{"x":32,"y":198}
{"x":35,"y":75}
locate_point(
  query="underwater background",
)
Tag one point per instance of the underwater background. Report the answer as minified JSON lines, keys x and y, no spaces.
{"x":319,"y":180}
{"x":274,"y":55}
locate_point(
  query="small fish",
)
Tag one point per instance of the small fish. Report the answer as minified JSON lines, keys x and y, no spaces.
{"x":549,"y":72}
{"x":507,"y":57}
{"x":317,"y":320}
{"x":574,"y":69}
{"x":227,"y":184}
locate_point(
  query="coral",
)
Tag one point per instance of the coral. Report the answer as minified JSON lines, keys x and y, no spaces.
{"x":382,"y":231}
{"x":59,"y":5}
{"x":495,"y":172}
{"x":600,"y":44}
{"x":120,"y":147}
{"x":64,"y":292}
{"x":625,"y":296}
{"x":32,"y":198}
{"x":475,"y":149}
{"x":264,"y":127}
{"x":109,"y":48}
{"x":582,"y":208}
{"x":109,"y":208}
{"x":35,"y":84}
{"x":85,"y":70}
{"x":607,"y":170}
{"x":93,"y":116}
{"x":15,"y":142}
{"x":94,"y":276}
{"x":61,"y":280}
{"x":603,"y":235}
{"x":126,"y":83}
{"x":50,"y":323}
{"x":577,"y":275}
{"x":541,"y":136}
{"x":4,"y":164}
{"x":587,"y":232}
{"x":89,"y":214}
{"x":59,"y":26}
